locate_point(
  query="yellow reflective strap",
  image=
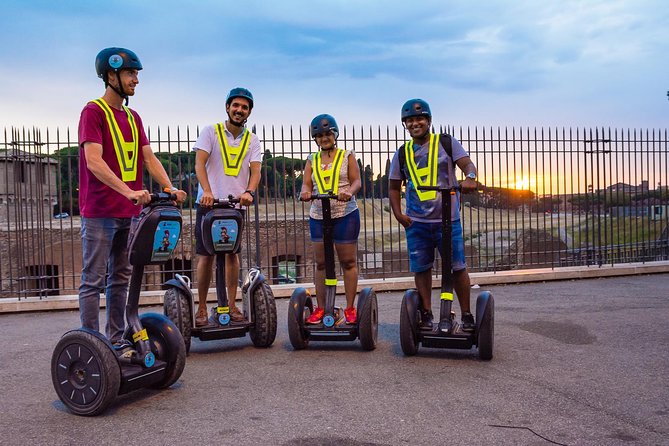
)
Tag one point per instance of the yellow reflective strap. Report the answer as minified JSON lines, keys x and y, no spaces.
{"x":424,"y":176}
{"x":232,"y":156}
{"x":222,"y":310}
{"x":446,"y":296}
{"x":140,"y":336}
{"x":327,"y":180}
{"x":434,"y":155}
{"x":331,"y":282}
{"x":126,"y":152}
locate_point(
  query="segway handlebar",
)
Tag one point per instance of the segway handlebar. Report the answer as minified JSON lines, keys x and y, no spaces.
{"x":322,"y":197}
{"x":440,"y":188}
{"x":162,"y":196}
{"x":480,"y":188}
{"x":227,"y":202}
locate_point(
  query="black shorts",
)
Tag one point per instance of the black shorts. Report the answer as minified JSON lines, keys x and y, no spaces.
{"x":200,"y":212}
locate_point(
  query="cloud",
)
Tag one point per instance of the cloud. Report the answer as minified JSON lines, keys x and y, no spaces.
{"x":586,"y":59}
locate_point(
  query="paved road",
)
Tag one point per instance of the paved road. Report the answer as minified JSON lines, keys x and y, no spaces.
{"x":580,"y":362}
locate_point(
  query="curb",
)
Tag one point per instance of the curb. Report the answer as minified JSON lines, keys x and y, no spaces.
{"x":152,"y":298}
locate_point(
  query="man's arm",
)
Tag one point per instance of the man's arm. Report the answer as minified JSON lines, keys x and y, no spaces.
{"x":467,"y":166}
{"x":201,"y":158}
{"x":254,"y":180}
{"x":102,"y":172}
{"x":157,"y":171}
{"x":395,"y":195}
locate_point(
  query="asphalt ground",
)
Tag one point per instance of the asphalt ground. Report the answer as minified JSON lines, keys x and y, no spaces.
{"x":576,"y":363}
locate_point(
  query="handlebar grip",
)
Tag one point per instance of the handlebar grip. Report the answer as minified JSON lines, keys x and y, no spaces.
{"x":226,"y":201}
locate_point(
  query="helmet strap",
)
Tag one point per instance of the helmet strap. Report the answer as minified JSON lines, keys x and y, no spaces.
{"x":118,"y":90}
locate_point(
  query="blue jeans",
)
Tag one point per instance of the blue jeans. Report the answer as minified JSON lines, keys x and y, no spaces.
{"x":104,"y":243}
{"x":422,"y":238}
{"x":345,"y":229}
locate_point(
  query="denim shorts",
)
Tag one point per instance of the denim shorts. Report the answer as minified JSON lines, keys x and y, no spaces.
{"x":423,"y":238}
{"x":346,"y":229}
{"x":200,"y":212}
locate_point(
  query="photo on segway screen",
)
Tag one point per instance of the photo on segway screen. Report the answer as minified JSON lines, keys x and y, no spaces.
{"x":165,"y":240}
{"x":224,"y":234}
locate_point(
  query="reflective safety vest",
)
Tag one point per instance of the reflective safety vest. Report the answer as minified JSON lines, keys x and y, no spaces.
{"x":126,"y":152}
{"x":232,"y":156}
{"x":425,"y":176}
{"x":327,"y":180}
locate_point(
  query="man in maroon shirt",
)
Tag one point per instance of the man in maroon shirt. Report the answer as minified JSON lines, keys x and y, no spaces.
{"x":113,"y":149}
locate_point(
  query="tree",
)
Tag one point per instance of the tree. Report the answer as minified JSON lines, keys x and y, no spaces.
{"x":68,"y":180}
{"x":282,"y":176}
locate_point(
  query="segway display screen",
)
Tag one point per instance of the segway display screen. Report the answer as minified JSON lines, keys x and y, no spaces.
{"x":165,"y":240}
{"x":224,"y":235}
{"x":222,"y":230}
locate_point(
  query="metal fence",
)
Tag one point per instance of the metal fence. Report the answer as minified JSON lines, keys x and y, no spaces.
{"x":553,"y":197}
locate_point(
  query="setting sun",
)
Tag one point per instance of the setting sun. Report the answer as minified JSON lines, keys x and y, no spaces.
{"x":522,"y":183}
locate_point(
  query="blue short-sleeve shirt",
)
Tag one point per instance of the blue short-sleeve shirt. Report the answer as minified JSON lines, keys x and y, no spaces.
{"x":429,"y":211}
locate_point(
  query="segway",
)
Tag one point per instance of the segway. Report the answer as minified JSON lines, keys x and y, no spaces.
{"x":86,"y":371}
{"x":333,"y":326}
{"x":222,"y":229}
{"x":448,"y":333}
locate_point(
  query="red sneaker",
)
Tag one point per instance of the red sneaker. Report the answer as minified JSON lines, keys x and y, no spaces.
{"x":351,"y":315}
{"x":317,"y":316}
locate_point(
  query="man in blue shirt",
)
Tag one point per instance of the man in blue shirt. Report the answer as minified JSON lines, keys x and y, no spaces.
{"x":429,"y":160}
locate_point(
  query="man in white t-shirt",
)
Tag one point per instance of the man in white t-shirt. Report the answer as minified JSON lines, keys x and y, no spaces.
{"x":228,"y":158}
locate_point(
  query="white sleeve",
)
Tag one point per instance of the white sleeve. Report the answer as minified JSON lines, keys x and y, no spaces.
{"x":255,"y":149}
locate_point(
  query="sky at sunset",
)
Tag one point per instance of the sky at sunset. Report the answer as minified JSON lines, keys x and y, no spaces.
{"x":478,"y":63}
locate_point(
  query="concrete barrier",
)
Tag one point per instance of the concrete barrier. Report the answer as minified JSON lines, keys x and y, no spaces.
{"x":71,"y":302}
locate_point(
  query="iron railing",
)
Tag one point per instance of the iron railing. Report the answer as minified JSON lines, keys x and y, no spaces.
{"x":553,"y":197}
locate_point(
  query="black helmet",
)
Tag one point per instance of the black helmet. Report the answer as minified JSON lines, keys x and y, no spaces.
{"x":415,"y":107}
{"x":115,"y":59}
{"x":239,"y":92}
{"x":322,"y":124}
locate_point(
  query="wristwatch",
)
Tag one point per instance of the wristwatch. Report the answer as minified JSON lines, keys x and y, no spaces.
{"x":251,"y":193}
{"x":471,"y":175}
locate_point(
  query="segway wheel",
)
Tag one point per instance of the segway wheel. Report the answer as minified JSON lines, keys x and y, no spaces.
{"x":409,"y":323}
{"x":485,"y":325}
{"x":177,"y":308}
{"x":167,"y":345}
{"x":263,"y":331}
{"x":300,"y":308}
{"x":85,"y":373}
{"x":368,"y":319}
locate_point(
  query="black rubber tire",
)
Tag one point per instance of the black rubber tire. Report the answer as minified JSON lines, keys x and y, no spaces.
{"x":299,"y":308}
{"x":368,"y":319}
{"x":85,"y":373}
{"x":165,"y":347}
{"x":408,"y":339}
{"x":486,"y":327}
{"x":263,"y":330}
{"x":177,"y":308}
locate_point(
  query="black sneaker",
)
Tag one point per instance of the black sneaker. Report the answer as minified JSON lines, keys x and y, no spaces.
{"x":426,"y":320}
{"x":468,"y":323}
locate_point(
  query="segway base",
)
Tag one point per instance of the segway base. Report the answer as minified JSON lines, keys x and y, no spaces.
{"x":213,"y":332}
{"x":320,"y":333}
{"x":135,"y":377}
{"x":436,"y":339}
